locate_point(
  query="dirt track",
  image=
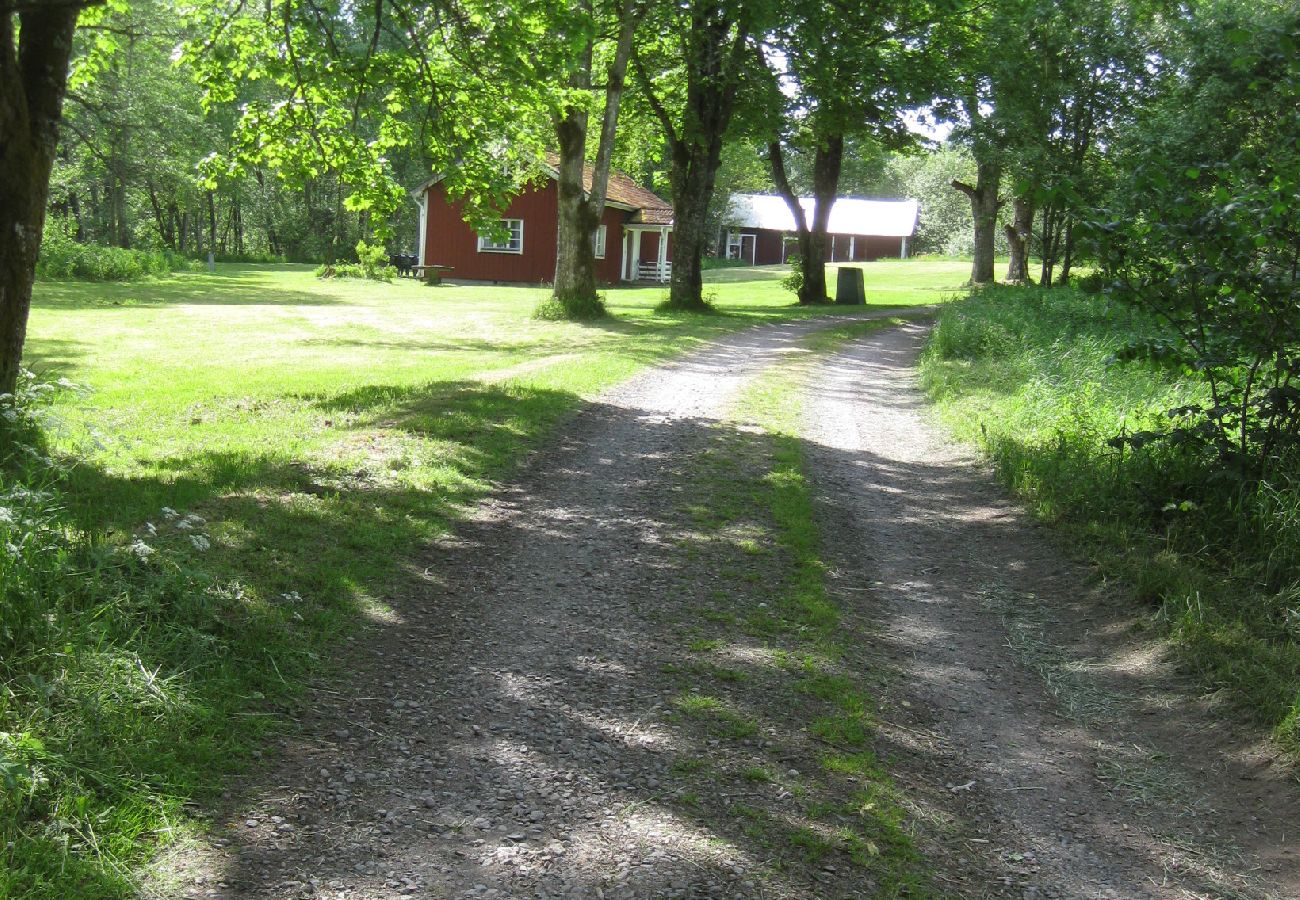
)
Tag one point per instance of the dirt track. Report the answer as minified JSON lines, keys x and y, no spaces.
{"x":510,"y":731}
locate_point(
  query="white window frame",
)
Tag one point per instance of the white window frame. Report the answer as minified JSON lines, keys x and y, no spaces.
{"x":598,"y":242}
{"x":485,"y":244}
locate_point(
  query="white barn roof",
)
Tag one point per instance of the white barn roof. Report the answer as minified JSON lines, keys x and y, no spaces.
{"x":879,"y":218}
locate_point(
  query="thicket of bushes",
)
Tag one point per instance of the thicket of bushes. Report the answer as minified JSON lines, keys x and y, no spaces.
{"x":372,"y":263}
{"x":63,"y":258}
{"x":1042,"y":379}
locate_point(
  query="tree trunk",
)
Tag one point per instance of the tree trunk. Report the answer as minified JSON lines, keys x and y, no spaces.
{"x":1067,"y":258}
{"x":1050,"y":241}
{"x":575,"y":263}
{"x":1018,"y":235}
{"x":715,"y":46}
{"x":160,"y":221}
{"x":692,"y":188}
{"x":827,"y":162}
{"x":580,"y":211}
{"x":237,"y":220}
{"x":984,"y":209}
{"x":212,"y":221}
{"x":33,"y":80}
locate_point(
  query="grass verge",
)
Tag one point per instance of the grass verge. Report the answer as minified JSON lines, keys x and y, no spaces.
{"x":1028,"y":375}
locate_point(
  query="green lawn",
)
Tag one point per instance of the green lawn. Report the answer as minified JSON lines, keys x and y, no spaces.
{"x":322,"y":430}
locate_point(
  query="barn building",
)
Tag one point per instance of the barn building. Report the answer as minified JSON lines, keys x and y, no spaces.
{"x":760,"y":229}
{"x":633,"y":241}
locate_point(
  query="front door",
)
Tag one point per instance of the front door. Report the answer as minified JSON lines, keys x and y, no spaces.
{"x":741,"y":246}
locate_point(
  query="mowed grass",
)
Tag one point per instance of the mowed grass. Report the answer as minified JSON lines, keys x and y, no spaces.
{"x":253,"y":463}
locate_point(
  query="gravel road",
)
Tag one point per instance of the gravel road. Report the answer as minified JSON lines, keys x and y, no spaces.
{"x":508,"y":730}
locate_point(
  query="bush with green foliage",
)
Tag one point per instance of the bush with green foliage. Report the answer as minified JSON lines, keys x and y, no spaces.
{"x":1204,"y":235}
{"x":793,"y":282}
{"x":62,"y":258}
{"x":372,"y":263}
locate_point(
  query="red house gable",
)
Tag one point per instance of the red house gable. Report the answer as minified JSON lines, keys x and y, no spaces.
{"x":635,"y":224}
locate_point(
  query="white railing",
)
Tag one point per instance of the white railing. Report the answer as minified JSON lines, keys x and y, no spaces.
{"x":654,"y":271}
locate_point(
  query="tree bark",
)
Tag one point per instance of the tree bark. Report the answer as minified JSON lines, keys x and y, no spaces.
{"x":33,"y":80}
{"x":1018,"y":234}
{"x":827,"y":162}
{"x":714,"y":51}
{"x":580,"y":212}
{"x":1067,"y":259}
{"x":984,"y":209}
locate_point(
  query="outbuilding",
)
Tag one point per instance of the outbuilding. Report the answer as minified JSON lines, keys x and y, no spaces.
{"x":759,"y":229}
{"x":632,"y":243}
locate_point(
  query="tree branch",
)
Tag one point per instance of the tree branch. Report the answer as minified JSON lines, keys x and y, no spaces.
{"x":613,"y":98}
{"x":964,"y":188}
{"x":656,"y":106}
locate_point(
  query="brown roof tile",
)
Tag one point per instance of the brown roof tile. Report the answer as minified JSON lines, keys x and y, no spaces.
{"x":653,"y":209}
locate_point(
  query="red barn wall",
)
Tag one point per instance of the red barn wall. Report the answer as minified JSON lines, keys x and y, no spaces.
{"x":448,"y":241}
{"x":607,"y":269}
{"x":768,"y":247}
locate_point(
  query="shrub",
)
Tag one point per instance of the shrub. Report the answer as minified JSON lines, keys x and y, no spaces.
{"x":372,"y":264}
{"x":794,"y":281}
{"x":63,"y":258}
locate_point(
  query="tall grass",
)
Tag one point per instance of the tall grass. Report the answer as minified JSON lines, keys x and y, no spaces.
{"x":1030,"y":375}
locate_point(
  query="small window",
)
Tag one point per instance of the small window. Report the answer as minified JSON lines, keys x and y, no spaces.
{"x":512,"y":244}
{"x":598,"y":242}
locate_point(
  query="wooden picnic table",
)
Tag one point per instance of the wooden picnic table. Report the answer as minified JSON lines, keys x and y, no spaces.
{"x":431,"y":273}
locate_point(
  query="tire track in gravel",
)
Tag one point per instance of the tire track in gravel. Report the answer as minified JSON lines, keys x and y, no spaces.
{"x":1017,"y":682}
{"x":502,"y":733}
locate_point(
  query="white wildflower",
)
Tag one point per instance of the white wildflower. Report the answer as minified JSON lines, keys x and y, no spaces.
{"x":150,"y":529}
{"x":6,"y":515}
{"x":194,"y":521}
{"x":169,"y":513}
{"x":140,"y":550}
{"x":184,"y":525}
{"x":291,"y":597}
{"x":200,"y":542}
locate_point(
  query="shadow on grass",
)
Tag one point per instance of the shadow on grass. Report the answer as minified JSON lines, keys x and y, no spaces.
{"x":50,"y":358}
{"x":229,"y":286}
{"x":164,"y":668}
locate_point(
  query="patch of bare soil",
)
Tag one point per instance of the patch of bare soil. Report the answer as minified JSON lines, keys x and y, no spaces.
{"x":1074,"y":761}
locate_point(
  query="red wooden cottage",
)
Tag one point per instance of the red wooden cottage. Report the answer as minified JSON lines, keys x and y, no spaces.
{"x":760,"y":229}
{"x":633,"y":241}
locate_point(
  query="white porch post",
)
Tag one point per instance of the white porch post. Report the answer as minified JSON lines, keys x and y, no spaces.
{"x":636,"y":254}
{"x":853,"y":239}
{"x":625,"y":250}
{"x":423,"y":203}
{"x":663,"y":255}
